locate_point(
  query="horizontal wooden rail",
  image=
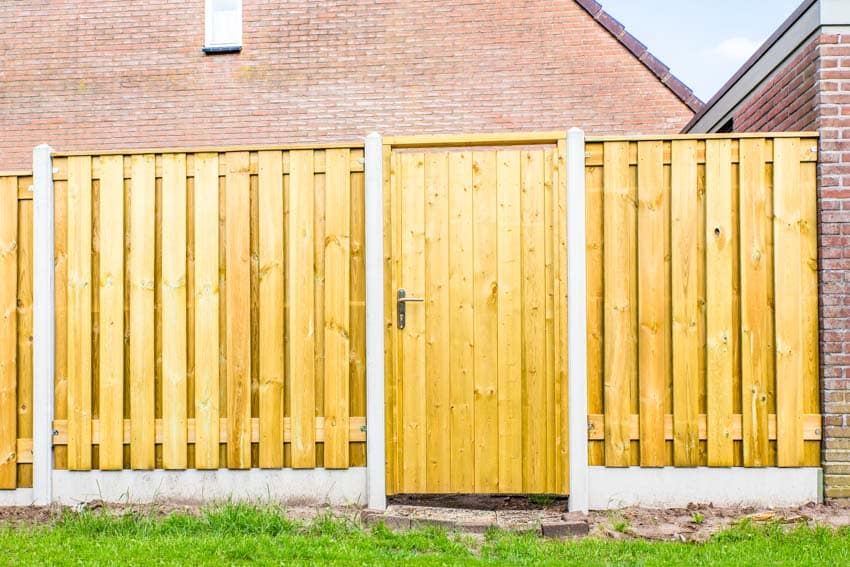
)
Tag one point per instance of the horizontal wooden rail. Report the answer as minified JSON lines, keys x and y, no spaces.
{"x":466,"y":140}
{"x":726,"y":136}
{"x":355,"y":165}
{"x":24,"y":454}
{"x":812,"y":429}
{"x":356,"y":427}
{"x":208,"y":149}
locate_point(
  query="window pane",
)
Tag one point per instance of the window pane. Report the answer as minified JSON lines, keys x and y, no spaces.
{"x":226,"y":22}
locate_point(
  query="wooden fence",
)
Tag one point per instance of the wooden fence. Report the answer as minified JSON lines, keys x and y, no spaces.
{"x":210,"y":309}
{"x":15,"y":330}
{"x":227,"y":325}
{"x":702,"y":301}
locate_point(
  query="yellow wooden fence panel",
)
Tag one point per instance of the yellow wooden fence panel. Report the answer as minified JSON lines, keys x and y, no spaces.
{"x":272,"y":232}
{"x":743,"y":386}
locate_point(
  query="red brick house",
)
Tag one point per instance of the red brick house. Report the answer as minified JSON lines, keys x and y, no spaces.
{"x":799,"y":81}
{"x":107,"y":75}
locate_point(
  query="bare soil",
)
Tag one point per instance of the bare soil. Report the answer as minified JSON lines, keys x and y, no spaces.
{"x":697,"y":522}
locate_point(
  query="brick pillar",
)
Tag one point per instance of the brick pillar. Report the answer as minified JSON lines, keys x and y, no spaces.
{"x":833,"y":123}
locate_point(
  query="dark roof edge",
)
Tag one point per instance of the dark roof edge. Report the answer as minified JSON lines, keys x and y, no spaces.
{"x":642,"y":53}
{"x":780,"y":31}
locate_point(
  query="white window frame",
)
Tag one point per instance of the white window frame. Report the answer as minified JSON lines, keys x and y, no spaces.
{"x":209,"y":33}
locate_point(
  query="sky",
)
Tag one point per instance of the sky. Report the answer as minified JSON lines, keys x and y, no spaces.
{"x":702,"y":41}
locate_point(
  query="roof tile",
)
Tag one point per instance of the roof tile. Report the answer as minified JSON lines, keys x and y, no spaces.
{"x":640,"y":51}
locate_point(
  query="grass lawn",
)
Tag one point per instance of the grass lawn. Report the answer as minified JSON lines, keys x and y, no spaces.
{"x":243,"y":534}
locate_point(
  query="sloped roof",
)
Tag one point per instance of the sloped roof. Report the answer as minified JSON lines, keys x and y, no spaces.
{"x":642,"y":53}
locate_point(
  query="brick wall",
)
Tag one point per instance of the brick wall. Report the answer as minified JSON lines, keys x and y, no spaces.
{"x":787,"y":103}
{"x":833,"y":123}
{"x":112,"y":73}
{"x":812,"y":92}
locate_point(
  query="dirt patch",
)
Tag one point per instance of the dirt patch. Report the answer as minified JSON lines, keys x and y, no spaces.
{"x":480,"y":502}
{"x":26,"y":515}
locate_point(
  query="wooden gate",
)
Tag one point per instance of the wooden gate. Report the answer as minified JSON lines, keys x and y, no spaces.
{"x":475,"y":242}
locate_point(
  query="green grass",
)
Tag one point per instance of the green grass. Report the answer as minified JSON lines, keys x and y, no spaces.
{"x":238,"y":534}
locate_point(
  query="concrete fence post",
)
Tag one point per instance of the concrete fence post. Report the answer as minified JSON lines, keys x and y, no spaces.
{"x":577,"y":320}
{"x":375,"y":442}
{"x":44,"y":332}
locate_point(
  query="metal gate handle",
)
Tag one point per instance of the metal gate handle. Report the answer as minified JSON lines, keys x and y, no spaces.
{"x":402,"y":302}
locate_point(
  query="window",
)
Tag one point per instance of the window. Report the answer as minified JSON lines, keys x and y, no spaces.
{"x":223,"y":26}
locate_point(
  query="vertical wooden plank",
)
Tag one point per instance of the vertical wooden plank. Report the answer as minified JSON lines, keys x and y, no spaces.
{"x":111,"y":280}
{"x":755,"y":312}
{"x":8,"y":331}
{"x":809,"y":303}
{"x":391,"y":180}
{"x":206,"y":308}
{"x":238,"y":301}
{"x":437,"y":317}
{"x":319,"y":293}
{"x":486,"y":337}
{"x":509,"y":307}
{"x":271,"y":309}
{"x":60,"y":224}
{"x":337,"y":299}
{"x":413,"y":335}
{"x":788,"y":281}
{"x":301,"y":301}
{"x":461,"y":301}
{"x":174,"y":332}
{"x":25,"y":332}
{"x":552,"y":414}
{"x":79,"y":313}
{"x":620,"y":318}
{"x":357,"y":382}
{"x":653,"y":287}
{"x":721,"y":300}
{"x":562,"y":400}
{"x":684,"y":288}
{"x":142,"y":246}
{"x":254,"y":229}
{"x":594,"y":219}
{"x":533,"y":322}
